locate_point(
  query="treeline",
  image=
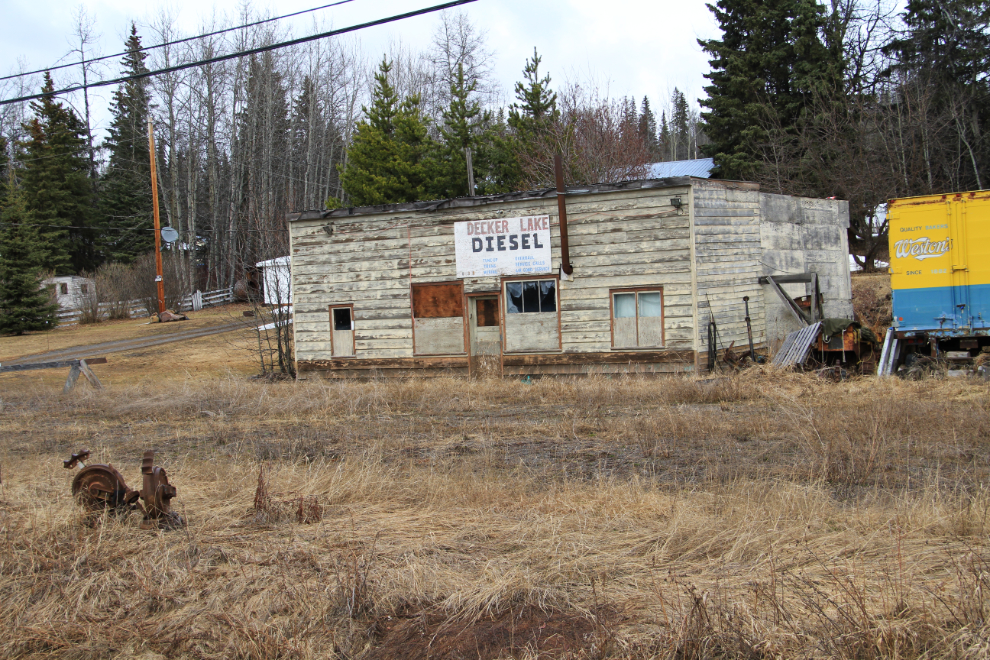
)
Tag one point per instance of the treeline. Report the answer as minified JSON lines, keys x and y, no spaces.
{"x":851,"y":100}
{"x":240,"y":144}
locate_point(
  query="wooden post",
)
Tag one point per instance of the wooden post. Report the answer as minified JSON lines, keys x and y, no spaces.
{"x":70,"y":382}
{"x":158,"y":229}
{"x":90,"y":376}
{"x":470,"y":170}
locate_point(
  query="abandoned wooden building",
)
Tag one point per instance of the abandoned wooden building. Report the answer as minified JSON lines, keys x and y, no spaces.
{"x":643,"y":270}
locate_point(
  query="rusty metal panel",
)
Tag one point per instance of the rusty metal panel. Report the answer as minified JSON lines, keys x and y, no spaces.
{"x":438,"y":301}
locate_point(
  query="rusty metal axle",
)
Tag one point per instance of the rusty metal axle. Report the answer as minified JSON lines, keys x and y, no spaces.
{"x":98,"y":487}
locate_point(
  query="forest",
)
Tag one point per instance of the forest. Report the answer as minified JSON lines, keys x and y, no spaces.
{"x":853,"y":99}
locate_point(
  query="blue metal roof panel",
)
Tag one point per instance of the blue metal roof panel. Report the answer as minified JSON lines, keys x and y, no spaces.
{"x":698,"y":167}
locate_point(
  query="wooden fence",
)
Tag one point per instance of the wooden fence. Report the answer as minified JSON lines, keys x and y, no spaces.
{"x":137,"y":309}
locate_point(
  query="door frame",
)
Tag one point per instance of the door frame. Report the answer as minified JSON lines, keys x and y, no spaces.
{"x":353,"y":323}
{"x":497,"y":295}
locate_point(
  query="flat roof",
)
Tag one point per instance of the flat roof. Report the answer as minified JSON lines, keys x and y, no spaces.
{"x":482,"y":200}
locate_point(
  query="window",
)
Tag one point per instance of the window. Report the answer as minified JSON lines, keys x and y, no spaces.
{"x":529,"y":297}
{"x":63,"y":289}
{"x":487,"y":312}
{"x":531,"y":321}
{"x":84,"y":289}
{"x":342,"y":318}
{"x":637,"y":319}
{"x":438,"y":318}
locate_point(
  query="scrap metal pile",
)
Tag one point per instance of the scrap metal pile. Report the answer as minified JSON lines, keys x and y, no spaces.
{"x":101,"y":488}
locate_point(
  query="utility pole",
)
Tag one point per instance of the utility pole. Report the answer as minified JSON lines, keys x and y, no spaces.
{"x":158,"y":232}
{"x":470,"y":170}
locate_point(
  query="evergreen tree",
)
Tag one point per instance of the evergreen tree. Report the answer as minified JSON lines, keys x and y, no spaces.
{"x":389,"y":160}
{"x":769,"y":62}
{"x":648,"y":129}
{"x":4,"y":171}
{"x":680,"y":127}
{"x":57,"y":191}
{"x":125,"y":191}
{"x":24,"y":303}
{"x":537,"y":102}
{"x":465,"y":126}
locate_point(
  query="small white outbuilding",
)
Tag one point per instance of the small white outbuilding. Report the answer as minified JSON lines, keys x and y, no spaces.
{"x":276,"y":281}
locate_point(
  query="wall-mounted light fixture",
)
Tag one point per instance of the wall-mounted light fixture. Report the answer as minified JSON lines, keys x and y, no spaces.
{"x":328,"y":229}
{"x":676,"y":202}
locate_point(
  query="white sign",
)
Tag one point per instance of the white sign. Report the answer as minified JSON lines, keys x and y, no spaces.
{"x":507,"y":246}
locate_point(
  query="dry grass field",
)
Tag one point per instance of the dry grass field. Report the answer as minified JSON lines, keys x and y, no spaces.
{"x":761,"y":515}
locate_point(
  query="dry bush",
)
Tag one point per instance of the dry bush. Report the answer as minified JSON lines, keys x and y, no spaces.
{"x":872,"y":301}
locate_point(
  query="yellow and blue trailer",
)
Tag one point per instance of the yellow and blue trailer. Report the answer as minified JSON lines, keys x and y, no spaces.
{"x":939,"y":275}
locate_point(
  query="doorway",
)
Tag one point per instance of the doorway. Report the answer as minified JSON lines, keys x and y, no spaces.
{"x":485,"y":329}
{"x":342,"y":331}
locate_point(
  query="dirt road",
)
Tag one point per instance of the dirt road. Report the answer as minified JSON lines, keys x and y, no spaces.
{"x":95,"y":350}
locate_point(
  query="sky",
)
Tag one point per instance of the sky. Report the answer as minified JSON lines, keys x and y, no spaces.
{"x":625,"y":47}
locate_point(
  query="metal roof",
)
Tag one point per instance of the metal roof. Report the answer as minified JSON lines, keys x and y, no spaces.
{"x":698,"y":167}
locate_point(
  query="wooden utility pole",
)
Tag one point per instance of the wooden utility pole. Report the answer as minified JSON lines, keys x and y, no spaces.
{"x":158,"y":230}
{"x":470,"y":170}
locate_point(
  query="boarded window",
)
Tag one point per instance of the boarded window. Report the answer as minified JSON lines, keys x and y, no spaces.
{"x":531,"y":322}
{"x":487,"y":312}
{"x":438,"y":319}
{"x":437,"y":301}
{"x":637,"y":319}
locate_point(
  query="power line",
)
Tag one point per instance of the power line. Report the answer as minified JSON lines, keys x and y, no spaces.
{"x":177,"y":41}
{"x":242,"y":53}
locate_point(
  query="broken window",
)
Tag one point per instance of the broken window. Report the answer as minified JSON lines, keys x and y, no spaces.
{"x":63,"y":289}
{"x":531,"y":322}
{"x":438,"y":318}
{"x":529,"y":297}
{"x":83,"y":289}
{"x":637,"y":319}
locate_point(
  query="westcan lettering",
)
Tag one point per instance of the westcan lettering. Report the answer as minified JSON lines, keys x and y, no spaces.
{"x":503,"y":243}
{"x":921,"y":248}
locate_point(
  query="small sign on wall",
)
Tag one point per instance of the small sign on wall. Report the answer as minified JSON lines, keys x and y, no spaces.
{"x":506,"y":246}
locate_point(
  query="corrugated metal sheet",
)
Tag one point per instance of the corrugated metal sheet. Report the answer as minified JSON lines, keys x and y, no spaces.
{"x":796,"y":346}
{"x":699,"y":167}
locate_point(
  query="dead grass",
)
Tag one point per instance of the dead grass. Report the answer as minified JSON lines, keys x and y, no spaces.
{"x":760,"y":515}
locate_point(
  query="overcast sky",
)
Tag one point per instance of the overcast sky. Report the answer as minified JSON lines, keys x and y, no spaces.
{"x":630,"y":47}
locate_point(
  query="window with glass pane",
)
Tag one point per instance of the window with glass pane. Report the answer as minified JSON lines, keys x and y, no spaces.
{"x":531,"y":296}
{"x":637,"y":319}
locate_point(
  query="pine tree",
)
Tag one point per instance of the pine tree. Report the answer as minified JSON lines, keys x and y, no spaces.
{"x":679,"y":127}
{"x":5,"y":173}
{"x":389,"y":160}
{"x":648,"y":129}
{"x":125,"y":190}
{"x":25,"y":305}
{"x":765,"y":68}
{"x":465,"y":126}
{"x":57,"y":190}
{"x":537,"y":102}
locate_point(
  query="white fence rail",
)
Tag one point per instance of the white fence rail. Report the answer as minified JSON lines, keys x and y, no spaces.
{"x":139,"y":309}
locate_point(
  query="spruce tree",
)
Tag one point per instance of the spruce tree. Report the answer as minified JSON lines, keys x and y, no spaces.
{"x":390,"y":158}
{"x":537,"y":103}
{"x":465,"y":126}
{"x":125,"y":190}
{"x":664,"y":139}
{"x":680,"y":126}
{"x":764,"y":70}
{"x":25,"y":305}
{"x":56,"y":187}
{"x":648,"y":129}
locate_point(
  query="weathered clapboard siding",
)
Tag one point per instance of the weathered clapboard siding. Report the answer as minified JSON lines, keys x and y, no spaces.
{"x":704,"y":255}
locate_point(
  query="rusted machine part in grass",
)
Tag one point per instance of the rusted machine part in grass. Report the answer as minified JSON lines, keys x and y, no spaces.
{"x":100,"y":487}
{"x":157,"y":493}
